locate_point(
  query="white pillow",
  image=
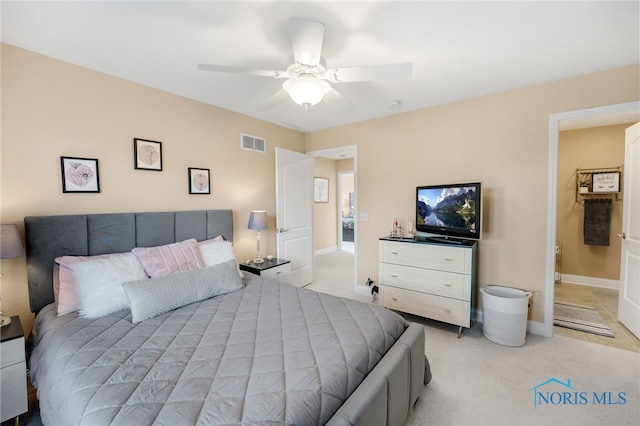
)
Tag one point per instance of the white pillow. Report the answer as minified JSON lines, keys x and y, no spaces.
{"x":99,"y":283}
{"x":215,"y":252}
{"x":65,"y":289}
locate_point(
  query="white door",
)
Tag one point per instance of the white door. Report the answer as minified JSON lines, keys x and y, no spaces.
{"x":294,"y":213}
{"x":629,"y":300}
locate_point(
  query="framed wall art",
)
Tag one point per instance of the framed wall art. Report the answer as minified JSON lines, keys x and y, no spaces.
{"x":321,"y":190}
{"x":199,"y":181}
{"x":606,"y":182}
{"x":79,"y":174}
{"x":147,"y":154}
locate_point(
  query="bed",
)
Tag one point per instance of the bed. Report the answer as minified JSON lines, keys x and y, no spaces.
{"x":206,"y":345}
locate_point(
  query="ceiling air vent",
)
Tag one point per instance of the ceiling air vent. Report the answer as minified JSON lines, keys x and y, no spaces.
{"x":253,"y":143}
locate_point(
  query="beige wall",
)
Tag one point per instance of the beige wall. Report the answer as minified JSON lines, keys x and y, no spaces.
{"x":587,"y":148}
{"x":52,"y":109}
{"x":501,"y":140}
{"x":325,"y":216}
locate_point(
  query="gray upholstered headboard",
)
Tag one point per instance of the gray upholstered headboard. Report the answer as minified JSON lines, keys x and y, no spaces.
{"x":48,"y":237}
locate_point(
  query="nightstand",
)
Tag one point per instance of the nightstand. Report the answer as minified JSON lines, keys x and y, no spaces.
{"x":13,"y":383}
{"x":275,"y":269}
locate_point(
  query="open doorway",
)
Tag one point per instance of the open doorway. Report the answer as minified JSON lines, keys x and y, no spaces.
{"x":593,"y":117}
{"x":336,"y":262}
{"x":346,"y":211}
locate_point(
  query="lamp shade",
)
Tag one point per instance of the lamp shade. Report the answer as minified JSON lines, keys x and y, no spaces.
{"x":258,"y":220}
{"x":306,"y":89}
{"x":10,"y":243}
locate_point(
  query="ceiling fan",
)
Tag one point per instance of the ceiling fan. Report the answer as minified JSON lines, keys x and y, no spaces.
{"x":307,"y":76}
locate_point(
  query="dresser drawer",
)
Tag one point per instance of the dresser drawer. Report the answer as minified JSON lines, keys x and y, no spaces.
{"x":448,"y":284}
{"x":440,"y":257}
{"x":443,"y":309}
{"x":278,"y":273}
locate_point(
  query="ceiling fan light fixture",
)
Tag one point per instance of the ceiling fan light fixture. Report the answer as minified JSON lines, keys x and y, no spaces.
{"x":306,"y":89}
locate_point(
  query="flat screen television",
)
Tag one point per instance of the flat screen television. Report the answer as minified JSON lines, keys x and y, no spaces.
{"x":449,"y":211}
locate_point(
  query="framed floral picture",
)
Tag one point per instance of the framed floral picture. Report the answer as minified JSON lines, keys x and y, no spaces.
{"x":80,"y":174}
{"x":199,"y":181}
{"x":147,"y":154}
{"x":321,"y":190}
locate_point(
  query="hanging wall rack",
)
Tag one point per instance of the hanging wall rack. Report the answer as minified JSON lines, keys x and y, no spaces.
{"x":603,"y":182}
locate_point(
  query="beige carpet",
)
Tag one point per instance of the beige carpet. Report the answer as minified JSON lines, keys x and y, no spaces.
{"x":477,"y":382}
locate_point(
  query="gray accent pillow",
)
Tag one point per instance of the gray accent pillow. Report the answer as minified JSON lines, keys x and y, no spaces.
{"x":152,"y":297}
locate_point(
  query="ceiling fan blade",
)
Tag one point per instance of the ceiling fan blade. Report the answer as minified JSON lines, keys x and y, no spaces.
{"x":337,"y":101}
{"x":275,"y":99}
{"x":239,"y":70}
{"x":370,"y":73}
{"x":306,"y":40}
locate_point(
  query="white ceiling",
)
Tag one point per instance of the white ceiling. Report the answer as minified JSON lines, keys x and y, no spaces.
{"x":459,"y":50}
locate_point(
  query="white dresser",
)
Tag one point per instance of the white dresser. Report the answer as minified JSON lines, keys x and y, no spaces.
{"x":429,"y":279}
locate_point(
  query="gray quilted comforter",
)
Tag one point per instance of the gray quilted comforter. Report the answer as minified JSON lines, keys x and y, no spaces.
{"x":267,"y":354}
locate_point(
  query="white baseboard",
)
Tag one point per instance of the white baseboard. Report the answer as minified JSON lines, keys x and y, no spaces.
{"x":325,"y":250}
{"x":590,"y":281}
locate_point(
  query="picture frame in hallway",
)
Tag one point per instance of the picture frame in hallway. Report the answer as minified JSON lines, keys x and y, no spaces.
{"x":321,"y":190}
{"x":79,"y":174}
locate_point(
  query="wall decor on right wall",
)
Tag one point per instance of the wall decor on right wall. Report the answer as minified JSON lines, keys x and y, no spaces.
{"x":147,"y":154}
{"x":199,"y":181}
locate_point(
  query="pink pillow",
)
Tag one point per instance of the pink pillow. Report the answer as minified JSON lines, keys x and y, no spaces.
{"x":165,"y":260}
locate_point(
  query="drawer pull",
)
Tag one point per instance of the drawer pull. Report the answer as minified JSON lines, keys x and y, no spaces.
{"x":448,"y":311}
{"x":278,"y":273}
{"x":395,"y":299}
{"x":394,"y":276}
{"x":448,"y":259}
{"x":448,"y":285}
{"x":394,"y":252}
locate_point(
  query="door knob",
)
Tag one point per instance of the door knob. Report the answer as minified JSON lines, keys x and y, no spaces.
{"x":623,"y":236}
{"x":281,"y":230}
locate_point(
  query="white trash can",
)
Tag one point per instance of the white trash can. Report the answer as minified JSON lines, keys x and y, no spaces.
{"x":504,"y":314}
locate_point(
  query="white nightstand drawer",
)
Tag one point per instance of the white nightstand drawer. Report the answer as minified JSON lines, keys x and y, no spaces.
{"x":278,"y":273}
{"x":12,"y":352}
{"x":13,"y":390}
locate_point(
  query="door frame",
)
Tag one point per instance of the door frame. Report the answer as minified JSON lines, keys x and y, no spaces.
{"x":348,"y":151}
{"x":555,"y":121}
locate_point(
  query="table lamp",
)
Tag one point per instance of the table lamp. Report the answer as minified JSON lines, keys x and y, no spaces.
{"x":10,"y":246}
{"x":258,"y":222}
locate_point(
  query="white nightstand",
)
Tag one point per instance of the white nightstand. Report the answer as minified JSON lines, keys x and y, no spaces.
{"x":275,"y":269}
{"x":13,"y":378}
